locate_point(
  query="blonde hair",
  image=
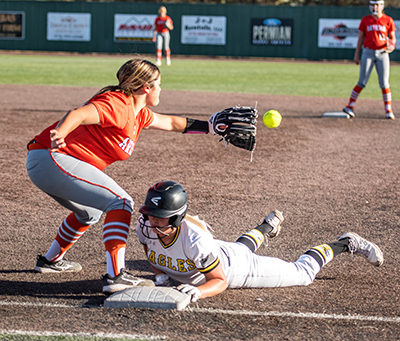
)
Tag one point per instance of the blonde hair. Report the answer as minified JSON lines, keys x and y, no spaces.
{"x":132,"y":76}
{"x":195,"y":220}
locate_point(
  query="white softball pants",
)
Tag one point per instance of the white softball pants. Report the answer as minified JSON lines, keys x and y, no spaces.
{"x":244,"y":269}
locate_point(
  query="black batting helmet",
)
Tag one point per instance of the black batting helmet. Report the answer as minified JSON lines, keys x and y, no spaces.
{"x":166,"y":199}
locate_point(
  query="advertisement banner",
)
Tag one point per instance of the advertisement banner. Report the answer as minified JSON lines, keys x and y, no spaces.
{"x":397,"y":24}
{"x":68,"y":26}
{"x":338,"y":33}
{"x":12,"y":25}
{"x":134,"y":27}
{"x":203,"y":30}
{"x":271,"y":31}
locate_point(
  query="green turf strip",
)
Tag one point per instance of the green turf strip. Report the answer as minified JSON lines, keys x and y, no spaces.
{"x":215,"y":75}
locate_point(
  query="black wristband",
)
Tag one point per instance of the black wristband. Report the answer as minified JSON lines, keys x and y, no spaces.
{"x":196,"y":126}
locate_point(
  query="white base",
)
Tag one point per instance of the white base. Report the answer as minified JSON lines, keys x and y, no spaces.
{"x":148,"y":297}
{"x":337,"y":114}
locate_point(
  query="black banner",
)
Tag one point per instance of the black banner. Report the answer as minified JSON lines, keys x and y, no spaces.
{"x":12,"y":25}
{"x":272,"y":31}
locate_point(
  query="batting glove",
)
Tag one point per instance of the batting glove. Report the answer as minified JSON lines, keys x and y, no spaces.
{"x":162,"y":280}
{"x":190,"y":290}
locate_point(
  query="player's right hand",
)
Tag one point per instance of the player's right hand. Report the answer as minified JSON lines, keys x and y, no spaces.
{"x":57,"y":141}
{"x":190,"y":290}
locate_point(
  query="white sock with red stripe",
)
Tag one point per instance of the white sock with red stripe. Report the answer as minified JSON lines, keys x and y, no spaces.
{"x":115,"y":235}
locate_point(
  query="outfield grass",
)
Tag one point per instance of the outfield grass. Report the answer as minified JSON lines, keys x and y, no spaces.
{"x":216,"y":75}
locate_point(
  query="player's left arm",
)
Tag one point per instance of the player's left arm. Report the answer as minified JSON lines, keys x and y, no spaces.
{"x":169,"y":24}
{"x":178,"y":124}
{"x":392,"y":36}
{"x":236,"y":125}
{"x":216,"y":283}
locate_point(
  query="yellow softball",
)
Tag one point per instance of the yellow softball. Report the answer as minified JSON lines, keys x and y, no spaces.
{"x":272,"y":119}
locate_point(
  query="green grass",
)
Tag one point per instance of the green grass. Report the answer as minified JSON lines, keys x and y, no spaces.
{"x":216,"y":75}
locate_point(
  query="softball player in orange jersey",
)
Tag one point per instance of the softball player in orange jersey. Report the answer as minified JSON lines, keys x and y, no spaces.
{"x":161,"y":35}
{"x":375,"y":29}
{"x":67,"y":159}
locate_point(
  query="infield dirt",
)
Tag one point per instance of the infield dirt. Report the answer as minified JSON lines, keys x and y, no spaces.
{"x":327,"y":175}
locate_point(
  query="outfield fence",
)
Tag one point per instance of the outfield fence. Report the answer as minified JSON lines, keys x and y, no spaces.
{"x":305,"y":32}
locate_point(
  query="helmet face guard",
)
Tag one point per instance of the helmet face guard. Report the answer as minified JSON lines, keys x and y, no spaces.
{"x":146,"y":228}
{"x":166,"y":199}
{"x":372,"y":7}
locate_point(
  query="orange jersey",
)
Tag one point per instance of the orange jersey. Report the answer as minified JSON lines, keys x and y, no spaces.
{"x":160,"y":24}
{"x":113,"y":139}
{"x":376,"y":31}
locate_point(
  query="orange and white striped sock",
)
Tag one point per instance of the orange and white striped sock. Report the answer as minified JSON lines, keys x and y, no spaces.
{"x":168,"y":56}
{"x":68,"y":234}
{"x":387,"y":99}
{"x":159,"y":55}
{"x":115,"y":235}
{"x":353,"y":97}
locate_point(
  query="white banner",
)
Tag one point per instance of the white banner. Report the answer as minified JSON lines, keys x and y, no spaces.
{"x":397,"y":24}
{"x":343,"y":33}
{"x":137,"y":27}
{"x":338,"y":33}
{"x":68,"y":26}
{"x":203,"y":30}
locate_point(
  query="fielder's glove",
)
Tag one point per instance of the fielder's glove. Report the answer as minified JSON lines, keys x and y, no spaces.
{"x":162,"y":280}
{"x":190,"y":290}
{"x":236,"y":125}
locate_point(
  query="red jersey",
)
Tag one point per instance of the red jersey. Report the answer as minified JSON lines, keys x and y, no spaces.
{"x":160,"y":24}
{"x":376,"y":31}
{"x":113,"y":139}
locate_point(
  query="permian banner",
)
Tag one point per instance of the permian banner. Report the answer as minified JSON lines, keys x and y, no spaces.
{"x":271,"y":31}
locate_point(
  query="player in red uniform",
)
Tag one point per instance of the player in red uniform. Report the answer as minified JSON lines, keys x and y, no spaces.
{"x":161,"y":36}
{"x":375,"y":29}
{"x":66,"y":161}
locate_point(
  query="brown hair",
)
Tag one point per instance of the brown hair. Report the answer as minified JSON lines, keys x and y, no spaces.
{"x":133,"y":75}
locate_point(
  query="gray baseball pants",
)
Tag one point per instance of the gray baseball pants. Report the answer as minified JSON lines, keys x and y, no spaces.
{"x":381,"y":60}
{"x":76,"y":185}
